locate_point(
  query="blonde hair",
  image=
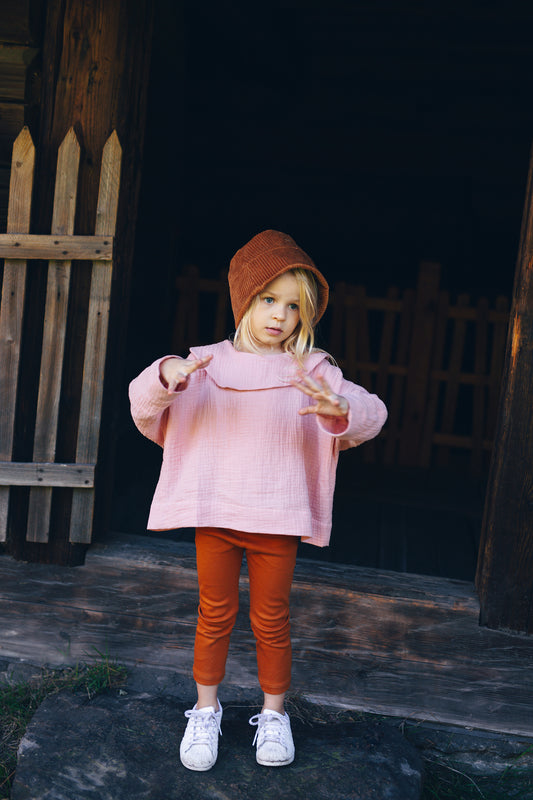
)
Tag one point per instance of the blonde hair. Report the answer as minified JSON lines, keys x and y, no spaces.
{"x":301,"y":341}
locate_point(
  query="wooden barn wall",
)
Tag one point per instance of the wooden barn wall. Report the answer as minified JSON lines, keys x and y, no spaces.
{"x":20,"y":43}
{"x":95,"y":63}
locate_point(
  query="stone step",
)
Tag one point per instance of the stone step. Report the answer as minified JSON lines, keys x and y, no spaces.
{"x":124,"y":746}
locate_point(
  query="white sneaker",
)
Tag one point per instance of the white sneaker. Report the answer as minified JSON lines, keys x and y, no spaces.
{"x":199,"y":746}
{"x":275,"y":746}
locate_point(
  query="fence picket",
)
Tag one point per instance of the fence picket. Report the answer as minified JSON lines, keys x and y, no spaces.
{"x":387,"y":339}
{"x":435,"y":381}
{"x":352,"y":341}
{"x":419,"y":363}
{"x":400,"y":377}
{"x":454,"y":371}
{"x":221,"y":315}
{"x":12,"y":303}
{"x":479,"y":393}
{"x":54,"y":335}
{"x":337,"y":302}
{"x":365,"y":375}
{"x":96,"y":341}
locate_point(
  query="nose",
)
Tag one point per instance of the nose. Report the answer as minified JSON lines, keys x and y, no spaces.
{"x":278,"y":312}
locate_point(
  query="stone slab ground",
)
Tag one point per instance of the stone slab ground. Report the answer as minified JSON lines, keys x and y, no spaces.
{"x":125,"y":747}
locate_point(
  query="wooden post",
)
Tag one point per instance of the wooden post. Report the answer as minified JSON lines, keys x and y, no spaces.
{"x":505,"y":568}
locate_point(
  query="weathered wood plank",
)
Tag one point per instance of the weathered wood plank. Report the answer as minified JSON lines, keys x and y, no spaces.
{"x":479,"y":395}
{"x":11,"y":123}
{"x":14,"y":62}
{"x":389,"y":643}
{"x":454,"y":373}
{"x":40,"y":474}
{"x":55,"y":247}
{"x":15,"y":20}
{"x":96,"y":340}
{"x":497,"y":360}
{"x":505,"y":568}
{"x":392,"y":430}
{"x":419,"y":363}
{"x":430,"y":417}
{"x":54,"y":335}
{"x":337,"y":301}
{"x":222,"y":310}
{"x":12,"y":303}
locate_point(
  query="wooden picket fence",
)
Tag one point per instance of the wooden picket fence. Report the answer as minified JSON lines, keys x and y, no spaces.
{"x":436,"y":363}
{"x":19,"y":249}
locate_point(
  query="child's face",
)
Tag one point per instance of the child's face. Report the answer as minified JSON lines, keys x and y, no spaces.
{"x":276,"y":313}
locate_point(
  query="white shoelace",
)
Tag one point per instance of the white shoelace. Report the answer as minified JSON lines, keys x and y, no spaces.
{"x":270,"y":727}
{"x":203,"y":729}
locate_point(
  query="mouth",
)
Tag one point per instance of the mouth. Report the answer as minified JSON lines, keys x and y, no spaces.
{"x":273,"y":331}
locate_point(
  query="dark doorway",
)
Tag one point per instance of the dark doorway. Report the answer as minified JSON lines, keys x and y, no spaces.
{"x":378,"y":135}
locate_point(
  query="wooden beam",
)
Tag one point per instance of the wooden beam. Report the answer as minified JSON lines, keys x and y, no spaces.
{"x":80,"y":476}
{"x":56,"y":248}
{"x":505,"y":566}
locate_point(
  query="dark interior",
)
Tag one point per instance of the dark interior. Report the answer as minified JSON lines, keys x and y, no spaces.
{"x":378,"y":134}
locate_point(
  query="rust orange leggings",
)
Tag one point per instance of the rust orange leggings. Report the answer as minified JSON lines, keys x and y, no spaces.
{"x":270,"y":560}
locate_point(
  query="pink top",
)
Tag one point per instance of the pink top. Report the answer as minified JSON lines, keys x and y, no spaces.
{"x":236,"y":452}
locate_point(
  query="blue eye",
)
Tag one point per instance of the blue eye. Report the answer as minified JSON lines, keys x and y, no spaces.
{"x":268,"y":299}
{"x":293,"y":307}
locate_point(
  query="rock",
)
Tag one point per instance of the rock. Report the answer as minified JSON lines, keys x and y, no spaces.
{"x":477,"y":753}
{"x":126,"y":748}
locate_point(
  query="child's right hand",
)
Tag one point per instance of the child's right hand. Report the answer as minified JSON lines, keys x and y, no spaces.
{"x":175,"y":371}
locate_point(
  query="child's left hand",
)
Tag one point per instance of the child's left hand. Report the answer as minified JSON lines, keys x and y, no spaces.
{"x":327,"y":403}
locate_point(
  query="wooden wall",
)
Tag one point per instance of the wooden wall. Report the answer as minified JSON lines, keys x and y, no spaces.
{"x":20,"y":42}
{"x":94,"y":59}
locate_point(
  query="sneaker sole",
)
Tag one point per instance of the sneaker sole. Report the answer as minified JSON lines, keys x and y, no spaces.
{"x":265,"y":763}
{"x":197,"y":769}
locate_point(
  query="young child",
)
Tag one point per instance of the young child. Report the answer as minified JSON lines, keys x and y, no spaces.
{"x":251,"y":431}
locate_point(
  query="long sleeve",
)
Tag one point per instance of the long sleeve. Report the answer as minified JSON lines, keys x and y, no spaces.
{"x":150,"y":401}
{"x":366,"y":416}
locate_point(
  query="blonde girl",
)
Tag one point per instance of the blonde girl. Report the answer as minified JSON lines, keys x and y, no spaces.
{"x":251,"y":432}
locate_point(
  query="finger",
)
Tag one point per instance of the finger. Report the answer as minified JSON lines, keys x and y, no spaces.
{"x":172,"y":384}
{"x":202,"y":362}
{"x":188,"y":367}
{"x":325,"y":386}
{"x":303,"y":388}
{"x":308,"y":410}
{"x":312,"y":384}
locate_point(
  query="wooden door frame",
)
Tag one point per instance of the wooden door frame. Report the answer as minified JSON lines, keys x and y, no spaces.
{"x":504,"y":577}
